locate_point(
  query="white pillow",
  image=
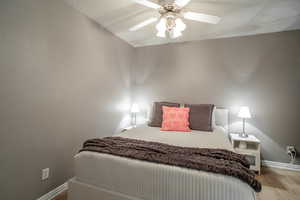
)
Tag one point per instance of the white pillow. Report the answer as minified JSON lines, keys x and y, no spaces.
{"x":213,"y":118}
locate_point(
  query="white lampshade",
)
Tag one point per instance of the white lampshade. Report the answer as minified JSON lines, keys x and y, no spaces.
{"x":180,"y":26}
{"x":176,"y":34}
{"x":161,"y":26}
{"x":135,"y":108}
{"x":244,"y":112}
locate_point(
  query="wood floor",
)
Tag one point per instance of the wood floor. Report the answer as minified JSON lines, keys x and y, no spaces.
{"x":63,"y":196}
{"x":277,"y":185}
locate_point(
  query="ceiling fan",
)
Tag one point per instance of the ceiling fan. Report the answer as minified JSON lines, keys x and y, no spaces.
{"x":172,"y":12}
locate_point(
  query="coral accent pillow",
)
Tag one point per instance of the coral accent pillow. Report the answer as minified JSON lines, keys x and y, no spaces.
{"x":175,"y":119}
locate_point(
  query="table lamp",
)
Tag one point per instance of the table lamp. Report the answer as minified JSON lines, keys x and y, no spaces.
{"x":244,"y":113}
{"x":134,"y":110}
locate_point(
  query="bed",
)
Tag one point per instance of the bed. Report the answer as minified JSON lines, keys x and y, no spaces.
{"x":108,"y":177}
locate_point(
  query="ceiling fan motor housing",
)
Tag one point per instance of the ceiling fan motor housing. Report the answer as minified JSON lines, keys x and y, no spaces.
{"x":170,"y":20}
{"x":170,"y":12}
{"x":169,"y":8}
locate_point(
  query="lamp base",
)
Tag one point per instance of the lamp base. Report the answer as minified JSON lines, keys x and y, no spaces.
{"x":243,"y":135}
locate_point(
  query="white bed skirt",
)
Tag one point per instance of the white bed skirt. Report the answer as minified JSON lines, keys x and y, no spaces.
{"x":108,"y":177}
{"x":83,"y":191}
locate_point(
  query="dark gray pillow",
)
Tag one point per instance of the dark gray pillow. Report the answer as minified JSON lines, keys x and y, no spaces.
{"x":156,"y":116}
{"x":200,"y":116}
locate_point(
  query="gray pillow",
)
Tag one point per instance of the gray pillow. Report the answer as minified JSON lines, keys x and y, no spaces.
{"x":200,"y":116}
{"x":156,"y":116}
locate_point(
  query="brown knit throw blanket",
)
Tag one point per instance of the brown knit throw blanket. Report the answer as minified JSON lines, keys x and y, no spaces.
{"x":211,"y":160}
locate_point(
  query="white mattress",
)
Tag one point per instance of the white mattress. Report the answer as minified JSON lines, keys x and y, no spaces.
{"x":145,"y":180}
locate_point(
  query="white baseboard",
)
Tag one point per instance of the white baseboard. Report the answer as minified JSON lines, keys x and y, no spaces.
{"x":280,"y":165}
{"x":55,"y":192}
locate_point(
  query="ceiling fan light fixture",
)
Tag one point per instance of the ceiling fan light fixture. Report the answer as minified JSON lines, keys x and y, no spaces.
{"x":180,"y":26}
{"x":176,"y":33}
{"x":161,"y":26}
{"x":172,"y":13}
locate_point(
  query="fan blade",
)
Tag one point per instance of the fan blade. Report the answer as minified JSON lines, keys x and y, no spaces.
{"x":182,"y":3}
{"x":148,"y":4}
{"x":143,"y":24}
{"x":202,"y":17}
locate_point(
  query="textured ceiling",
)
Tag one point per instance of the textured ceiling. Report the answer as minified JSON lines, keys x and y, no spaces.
{"x":238,"y":18}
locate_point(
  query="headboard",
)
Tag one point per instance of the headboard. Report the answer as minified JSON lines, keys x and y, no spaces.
{"x":222,"y":117}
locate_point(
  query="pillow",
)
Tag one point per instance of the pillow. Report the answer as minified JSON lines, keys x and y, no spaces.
{"x":200,"y":116}
{"x":156,"y":116}
{"x":175,"y":119}
{"x":213,"y":118}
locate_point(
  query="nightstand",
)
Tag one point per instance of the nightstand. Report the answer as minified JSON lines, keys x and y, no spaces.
{"x":249,"y":146}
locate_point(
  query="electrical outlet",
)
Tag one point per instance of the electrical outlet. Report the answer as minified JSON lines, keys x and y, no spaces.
{"x":45,"y":173}
{"x":290,"y":149}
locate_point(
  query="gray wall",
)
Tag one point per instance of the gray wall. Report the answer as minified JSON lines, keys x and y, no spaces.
{"x":261,"y":71}
{"x":63,"y":79}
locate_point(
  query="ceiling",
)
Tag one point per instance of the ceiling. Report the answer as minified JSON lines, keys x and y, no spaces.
{"x":238,"y":18}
